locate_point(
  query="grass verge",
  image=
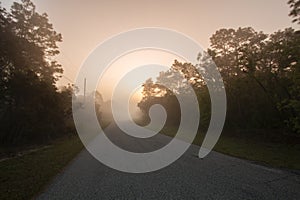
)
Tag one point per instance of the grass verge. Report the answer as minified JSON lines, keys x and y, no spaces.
{"x":274,"y":154}
{"x":23,"y":177}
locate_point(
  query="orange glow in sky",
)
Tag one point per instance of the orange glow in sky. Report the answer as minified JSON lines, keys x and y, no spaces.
{"x":85,"y":24}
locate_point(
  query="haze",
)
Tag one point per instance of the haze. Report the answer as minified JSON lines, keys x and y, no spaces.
{"x":85,"y":24}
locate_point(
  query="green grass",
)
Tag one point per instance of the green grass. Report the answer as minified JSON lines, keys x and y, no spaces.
{"x":24,"y":177}
{"x":273,"y":154}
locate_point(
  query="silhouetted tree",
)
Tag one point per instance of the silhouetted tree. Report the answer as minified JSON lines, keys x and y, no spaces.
{"x":32,"y":109}
{"x":260,"y":73}
{"x":295,"y":10}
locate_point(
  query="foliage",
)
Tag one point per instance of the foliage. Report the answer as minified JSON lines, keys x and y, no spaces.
{"x":171,"y":83}
{"x":260,"y":73}
{"x":32,"y":109}
{"x":23,"y":177}
{"x":295,"y":10}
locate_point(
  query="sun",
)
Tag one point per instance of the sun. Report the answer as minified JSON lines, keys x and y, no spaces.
{"x":137,"y":95}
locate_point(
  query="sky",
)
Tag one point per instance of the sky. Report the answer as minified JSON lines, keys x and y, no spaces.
{"x":85,"y":24}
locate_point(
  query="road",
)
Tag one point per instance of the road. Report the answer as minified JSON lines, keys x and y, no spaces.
{"x":217,"y":176}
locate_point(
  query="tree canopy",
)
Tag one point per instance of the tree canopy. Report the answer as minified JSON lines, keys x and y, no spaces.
{"x":295,"y":10}
{"x":31,"y":106}
{"x":261,"y":76}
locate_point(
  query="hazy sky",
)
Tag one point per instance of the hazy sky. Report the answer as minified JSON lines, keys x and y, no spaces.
{"x":85,"y":24}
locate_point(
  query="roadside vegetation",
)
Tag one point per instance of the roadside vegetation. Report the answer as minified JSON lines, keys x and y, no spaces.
{"x":265,"y":151}
{"x":261,"y":74}
{"x":23,"y":177}
{"x":33,"y":109}
{"x":37,"y":132}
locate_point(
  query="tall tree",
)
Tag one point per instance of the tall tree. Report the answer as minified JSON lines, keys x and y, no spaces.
{"x":39,"y":37}
{"x":31,"y":107}
{"x":261,"y":76}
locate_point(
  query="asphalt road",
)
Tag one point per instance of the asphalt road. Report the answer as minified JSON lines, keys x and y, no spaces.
{"x":217,"y":176}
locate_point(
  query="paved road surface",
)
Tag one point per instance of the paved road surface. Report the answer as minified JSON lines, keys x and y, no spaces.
{"x":215,"y":177}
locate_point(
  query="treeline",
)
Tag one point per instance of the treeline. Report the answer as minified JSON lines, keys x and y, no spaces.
{"x":261,"y":74}
{"x":32,"y":109}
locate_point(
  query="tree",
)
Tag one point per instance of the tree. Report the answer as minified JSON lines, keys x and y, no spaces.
{"x":260,"y":73}
{"x":234,"y":51}
{"x":39,"y":37}
{"x":285,"y":51}
{"x":32,"y":108}
{"x":295,"y":10}
{"x":174,"y":82}
{"x":248,"y":59}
